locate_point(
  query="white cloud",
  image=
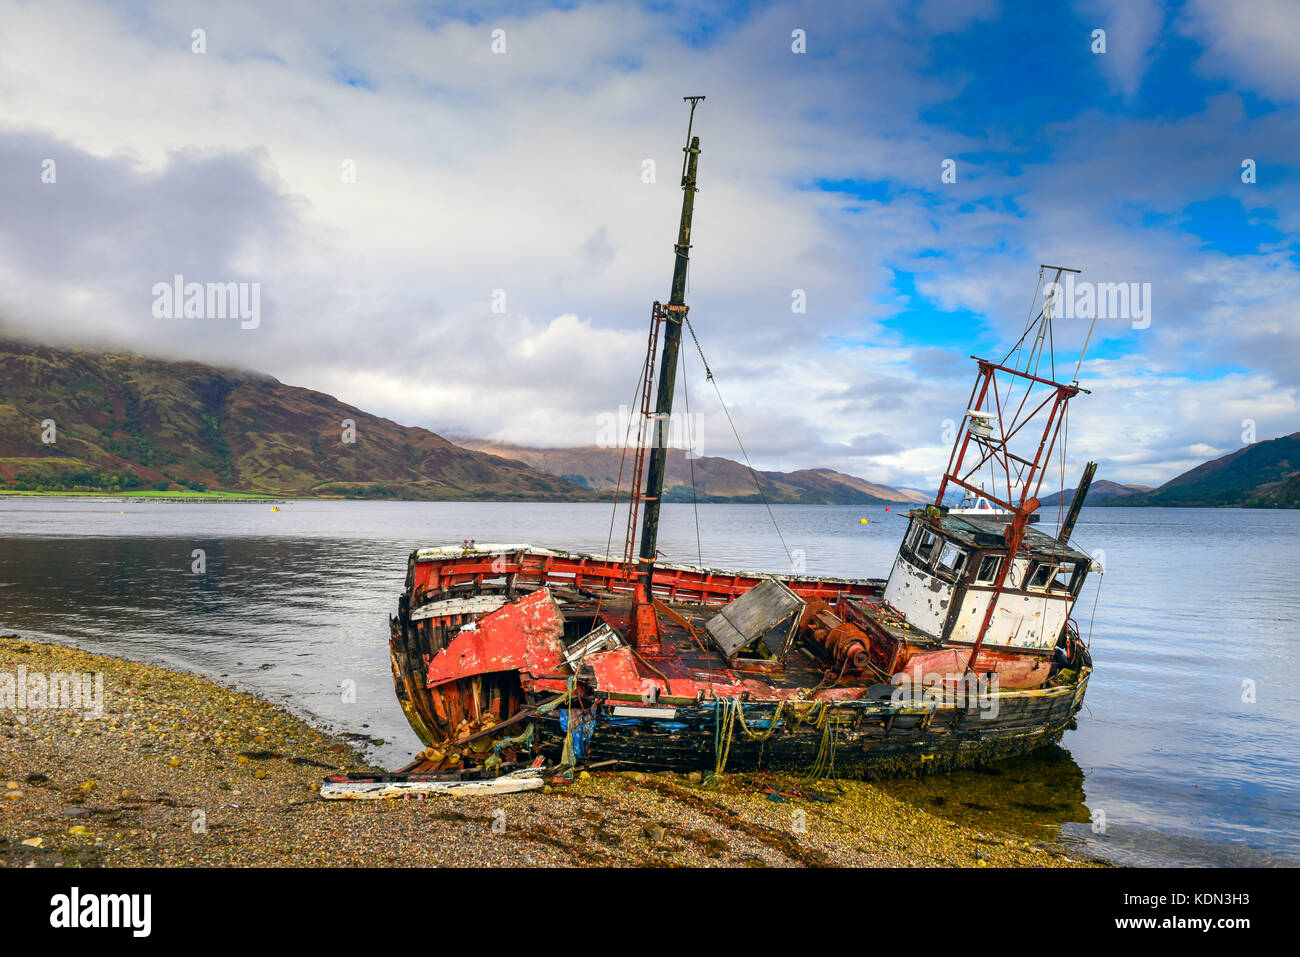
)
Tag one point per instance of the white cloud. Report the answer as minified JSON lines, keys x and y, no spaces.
{"x":522,"y":173}
{"x":1132,"y":29}
{"x":1251,"y":42}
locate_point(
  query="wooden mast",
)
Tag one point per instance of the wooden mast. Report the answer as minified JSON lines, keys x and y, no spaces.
{"x":645,"y":623}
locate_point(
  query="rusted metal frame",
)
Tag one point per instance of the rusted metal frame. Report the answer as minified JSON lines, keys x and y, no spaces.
{"x":1059,"y":392}
{"x":1030,"y":417}
{"x":1018,"y":423}
{"x":1001,"y":448}
{"x":971,"y":403}
{"x":1051,"y":446}
{"x":1023,"y":399}
{"x":657,"y":317}
{"x":1014,"y":537}
{"x":992,"y":454}
{"x":984,"y":363}
{"x":997,"y":404}
{"x":1005,"y":437}
{"x":1050,"y":430}
{"x":996,"y":453}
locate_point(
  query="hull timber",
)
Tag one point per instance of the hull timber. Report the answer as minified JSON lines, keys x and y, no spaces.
{"x":869,"y":739}
{"x":494,"y":644}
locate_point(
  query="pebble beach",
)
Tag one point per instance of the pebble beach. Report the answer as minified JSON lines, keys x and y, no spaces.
{"x":180,"y":771}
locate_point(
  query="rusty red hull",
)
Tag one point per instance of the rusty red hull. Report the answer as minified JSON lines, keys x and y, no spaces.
{"x":498,"y":644}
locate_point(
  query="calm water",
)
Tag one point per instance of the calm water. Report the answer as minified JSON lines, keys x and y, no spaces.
{"x":1197,"y":608}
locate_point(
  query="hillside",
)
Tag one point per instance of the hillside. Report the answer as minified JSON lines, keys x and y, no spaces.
{"x":716,"y":479}
{"x":1261,"y":475}
{"x":1101,"y":492}
{"x":125,"y":422}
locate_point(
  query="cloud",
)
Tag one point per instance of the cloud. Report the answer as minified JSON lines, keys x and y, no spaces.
{"x":1250,"y":42}
{"x":1132,"y":29}
{"x":490,"y":269}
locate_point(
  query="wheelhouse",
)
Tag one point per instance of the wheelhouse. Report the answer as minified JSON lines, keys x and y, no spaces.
{"x":946,"y":573}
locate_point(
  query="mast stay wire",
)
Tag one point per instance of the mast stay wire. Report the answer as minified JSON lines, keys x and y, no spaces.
{"x":689,"y":433}
{"x":708,"y":374}
{"x":627,"y":436}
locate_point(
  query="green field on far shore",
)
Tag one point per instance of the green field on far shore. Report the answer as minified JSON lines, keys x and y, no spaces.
{"x":185,"y":494}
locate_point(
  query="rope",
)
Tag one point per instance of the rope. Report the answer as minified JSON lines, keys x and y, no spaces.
{"x":721,"y":737}
{"x":1030,"y":319}
{"x":708,"y":374}
{"x":824,"y":764}
{"x":1101,"y":577}
{"x":690,"y":460}
{"x":817,"y":708}
{"x":627,"y":434}
{"x":771,"y":727}
{"x":727,"y":712}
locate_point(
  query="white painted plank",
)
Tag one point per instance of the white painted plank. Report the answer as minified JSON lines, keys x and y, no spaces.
{"x":378,"y":790}
{"x":475,"y":605}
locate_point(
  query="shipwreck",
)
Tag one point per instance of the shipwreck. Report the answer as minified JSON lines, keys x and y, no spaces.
{"x":508,"y":657}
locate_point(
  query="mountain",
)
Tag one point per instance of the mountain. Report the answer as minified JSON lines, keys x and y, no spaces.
{"x":1261,"y":475}
{"x":716,"y":479}
{"x":1099,"y":493}
{"x":124,"y":422}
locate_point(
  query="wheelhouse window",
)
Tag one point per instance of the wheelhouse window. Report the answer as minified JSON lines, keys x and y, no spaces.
{"x":912,"y":536}
{"x":1061,"y":580}
{"x":1045,"y":576}
{"x":952,"y":559}
{"x":925,"y":547}
{"x":987,"y":574}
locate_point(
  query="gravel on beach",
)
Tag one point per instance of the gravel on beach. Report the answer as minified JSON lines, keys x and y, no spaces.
{"x":181,"y":771}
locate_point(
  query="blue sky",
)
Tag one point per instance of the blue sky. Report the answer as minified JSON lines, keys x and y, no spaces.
{"x":522,"y":171}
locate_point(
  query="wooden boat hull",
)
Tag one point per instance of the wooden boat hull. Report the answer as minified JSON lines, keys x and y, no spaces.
{"x":870,"y":739}
{"x":478,"y":653}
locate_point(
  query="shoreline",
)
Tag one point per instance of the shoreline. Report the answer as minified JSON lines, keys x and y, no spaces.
{"x":182,"y":771}
{"x":250,"y":498}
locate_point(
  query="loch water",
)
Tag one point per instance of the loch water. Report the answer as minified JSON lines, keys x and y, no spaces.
{"x":1187,"y":747}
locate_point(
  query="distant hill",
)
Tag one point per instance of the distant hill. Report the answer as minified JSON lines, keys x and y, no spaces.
{"x":716,"y":479}
{"x":126,"y":422}
{"x":1100,"y":492}
{"x":1261,"y":475}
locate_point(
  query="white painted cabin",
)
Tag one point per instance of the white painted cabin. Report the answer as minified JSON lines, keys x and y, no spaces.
{"x":944,"y":574}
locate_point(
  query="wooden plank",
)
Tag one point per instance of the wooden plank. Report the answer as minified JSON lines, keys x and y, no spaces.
{"x":752,"y":615}
{"x":474,"y":605}
{"x":641,"y":712}
{"x":527,"y":780}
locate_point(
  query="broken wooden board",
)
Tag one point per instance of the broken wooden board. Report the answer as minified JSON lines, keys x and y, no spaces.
{"x":474,"y":605}
{"x":764,"y":608}
{"x":528,"y":779}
